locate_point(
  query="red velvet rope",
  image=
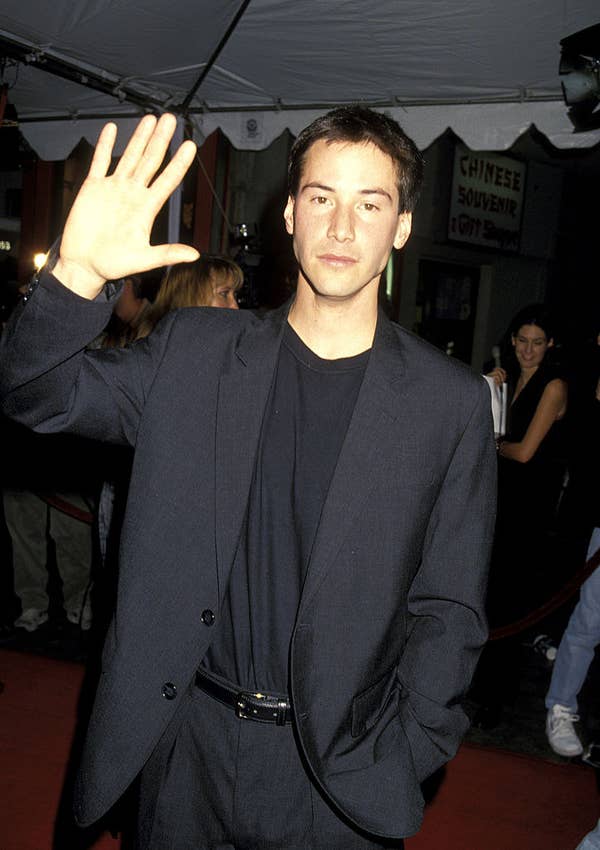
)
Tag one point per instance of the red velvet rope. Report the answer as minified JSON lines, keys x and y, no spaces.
{"x":67,"y":508}
{"x":555,"y":602}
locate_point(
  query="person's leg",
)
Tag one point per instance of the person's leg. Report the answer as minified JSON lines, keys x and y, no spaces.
{"x":277,"y":806}
{"x":106,"y":503}
{"x":26,"y":520}
{"x":594,"y":543}
{"x":216,"y":782}
{"x":576,"y":649}
{"x":575,"y":654}
{"x":73,"y":541}
{"x":591,"y":841}
{"x":185,"y":797}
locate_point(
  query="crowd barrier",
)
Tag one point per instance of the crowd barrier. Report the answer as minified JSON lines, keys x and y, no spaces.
{"x":536,"y":616}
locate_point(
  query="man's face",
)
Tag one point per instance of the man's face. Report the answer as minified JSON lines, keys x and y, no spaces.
{"x":344,"y":218}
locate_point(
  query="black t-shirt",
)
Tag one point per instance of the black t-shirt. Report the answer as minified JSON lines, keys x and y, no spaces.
{"x":307,"y":416}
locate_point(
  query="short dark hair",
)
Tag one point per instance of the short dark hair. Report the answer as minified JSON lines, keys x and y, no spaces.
{"x":358,"y":124}
{"x":534,"y":314}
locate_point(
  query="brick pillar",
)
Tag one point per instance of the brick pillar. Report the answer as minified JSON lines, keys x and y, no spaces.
{"x":204,"y":201}
{"x":36,"y":214}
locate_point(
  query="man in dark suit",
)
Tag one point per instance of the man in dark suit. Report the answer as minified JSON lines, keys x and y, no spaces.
{"x":305,"y":547}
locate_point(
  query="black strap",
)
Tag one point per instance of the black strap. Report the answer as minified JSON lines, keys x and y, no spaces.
{"x":263,"y":708}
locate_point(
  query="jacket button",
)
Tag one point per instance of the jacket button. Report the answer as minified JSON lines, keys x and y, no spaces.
{"x":169,"y":691}
{"x":207,"y":617}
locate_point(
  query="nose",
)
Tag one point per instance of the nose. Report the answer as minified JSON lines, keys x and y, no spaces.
{"x":341,"y":224}
{"x":232,"y":302}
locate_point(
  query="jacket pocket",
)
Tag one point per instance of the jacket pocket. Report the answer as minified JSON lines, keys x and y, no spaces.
{"x":369,"y":705}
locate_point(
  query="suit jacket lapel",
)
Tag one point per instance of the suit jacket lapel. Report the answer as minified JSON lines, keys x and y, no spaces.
{"x":243,"y":394}
{"x":363,"y":457}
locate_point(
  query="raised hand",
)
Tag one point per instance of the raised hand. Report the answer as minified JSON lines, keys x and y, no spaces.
{"x":107,"y":234}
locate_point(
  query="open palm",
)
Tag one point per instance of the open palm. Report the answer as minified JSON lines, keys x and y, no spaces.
{"x":107,"y":233}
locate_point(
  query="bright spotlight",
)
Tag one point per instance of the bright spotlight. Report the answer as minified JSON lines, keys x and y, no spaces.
{"x":39,"y":260}
{"x":579,"y":70}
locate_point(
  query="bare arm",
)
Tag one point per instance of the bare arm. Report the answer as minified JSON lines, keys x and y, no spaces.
{"x":107,"y":233}
{"x":552,"y":406}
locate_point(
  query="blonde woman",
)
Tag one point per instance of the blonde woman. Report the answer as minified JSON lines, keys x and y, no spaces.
{"x":211,"y":281}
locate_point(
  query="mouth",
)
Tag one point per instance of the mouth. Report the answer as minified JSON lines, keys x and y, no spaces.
{"x":337,"y":260}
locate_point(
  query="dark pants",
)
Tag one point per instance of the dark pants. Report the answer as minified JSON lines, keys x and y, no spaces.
{"x":215,"y":782}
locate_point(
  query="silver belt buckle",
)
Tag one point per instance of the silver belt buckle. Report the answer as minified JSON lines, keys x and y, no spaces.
{"x":246,"y":711}
{"x":243,"y":705}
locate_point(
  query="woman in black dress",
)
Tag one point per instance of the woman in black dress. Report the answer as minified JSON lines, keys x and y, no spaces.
{"x":531,"y":455}
{"x":530,"y":474}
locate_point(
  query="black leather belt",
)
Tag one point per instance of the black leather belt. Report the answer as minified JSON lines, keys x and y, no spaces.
{"x":247,"y":705}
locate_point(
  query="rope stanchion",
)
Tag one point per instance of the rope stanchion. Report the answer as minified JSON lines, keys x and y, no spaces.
{"x":555,"y":602}
{"x":67,"y":508}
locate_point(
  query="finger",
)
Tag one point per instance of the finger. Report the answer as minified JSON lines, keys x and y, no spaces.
{"x":156,"y":149}
{"x":157,"y":256}
{"x":169,"y":179}
{"x":136,"y":146}
{"x":103,"y":152}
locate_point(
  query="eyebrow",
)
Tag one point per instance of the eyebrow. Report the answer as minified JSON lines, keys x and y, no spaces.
{"x":375,"y":191}
{"x":532,"y":338}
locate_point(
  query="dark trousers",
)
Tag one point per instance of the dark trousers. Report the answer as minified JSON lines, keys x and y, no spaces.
{"x":215,"y":782}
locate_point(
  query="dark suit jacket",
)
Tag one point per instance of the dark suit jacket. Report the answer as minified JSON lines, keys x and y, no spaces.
{"x":391,"y":617}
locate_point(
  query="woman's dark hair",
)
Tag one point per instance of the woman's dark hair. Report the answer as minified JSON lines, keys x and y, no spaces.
{"x":359,"y":125}
{"x":534,"y":314}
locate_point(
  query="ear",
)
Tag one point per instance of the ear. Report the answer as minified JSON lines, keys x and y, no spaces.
{"x":288,"y":215}
{"x":403,"y":229}
{"x":551,"y":342}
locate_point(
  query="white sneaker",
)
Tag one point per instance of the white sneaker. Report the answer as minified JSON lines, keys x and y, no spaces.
{"x":31,"y":619}
{"x":562,"y":736}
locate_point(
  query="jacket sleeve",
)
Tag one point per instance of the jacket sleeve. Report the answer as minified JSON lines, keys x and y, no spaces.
{"x":447,"y":625}
{"x":51,"y":383}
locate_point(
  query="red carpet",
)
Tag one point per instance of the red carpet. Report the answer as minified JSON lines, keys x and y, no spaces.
{"x":496,"y":800}
{"x":489,"y":799}
{"x":37,"y":718}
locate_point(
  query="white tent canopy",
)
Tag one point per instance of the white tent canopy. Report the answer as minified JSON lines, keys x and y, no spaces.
{"x":487,"y":70}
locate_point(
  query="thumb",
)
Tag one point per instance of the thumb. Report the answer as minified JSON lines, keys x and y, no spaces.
{"x":168,"y":255}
